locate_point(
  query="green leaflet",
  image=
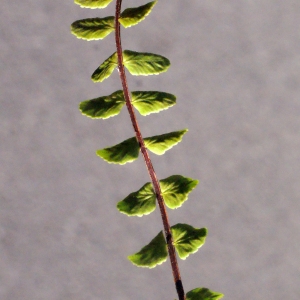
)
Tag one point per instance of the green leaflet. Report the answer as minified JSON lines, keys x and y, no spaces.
{"x":147,"y":102}
{"x":142,"y":63}
{"x":103,"y":107}
{"x":139,"y":203}
{"x":137,"y":64}
{"x":106,"y":68}
{"x":93,"y":3}
{"x":153,"y":254}
{"x":175,"y":189}
{"x":159,"y":144}
{"x":93,"y":28}
{"x":128,"y":150}
{"x":187,"y":239}
{"x":203,"y":294}
{"x":132,"y":16}
{"x":122,"y":153}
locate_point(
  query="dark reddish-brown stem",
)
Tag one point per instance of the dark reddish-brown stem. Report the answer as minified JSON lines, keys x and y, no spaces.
{"x":155,"y":182}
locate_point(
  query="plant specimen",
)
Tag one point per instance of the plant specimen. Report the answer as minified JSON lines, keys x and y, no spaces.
{"x":170,"y":192}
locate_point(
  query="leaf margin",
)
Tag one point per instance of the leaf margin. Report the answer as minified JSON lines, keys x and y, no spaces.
{"x":145,"y":10}
{"x":92,"y":4}
{"x":105,"y":69}
{"x":163,"y":100}
{"x":186,"y":184}
{"x":85,"y":110}
{"x":203,"y":294}
{"x":134,"y":63}
{"x":108,"y":153}
{"x":150,"y":142}
{"x":163,"y":255}
{"x":83,"y":29}
{"x":188,"y":233}
{"x":124,"y":205}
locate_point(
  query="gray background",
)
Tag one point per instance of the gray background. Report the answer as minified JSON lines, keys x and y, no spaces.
{"x":235,"y":71}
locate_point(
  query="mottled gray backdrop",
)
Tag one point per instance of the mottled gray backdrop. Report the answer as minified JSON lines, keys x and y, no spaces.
{"x":236,"y":74}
